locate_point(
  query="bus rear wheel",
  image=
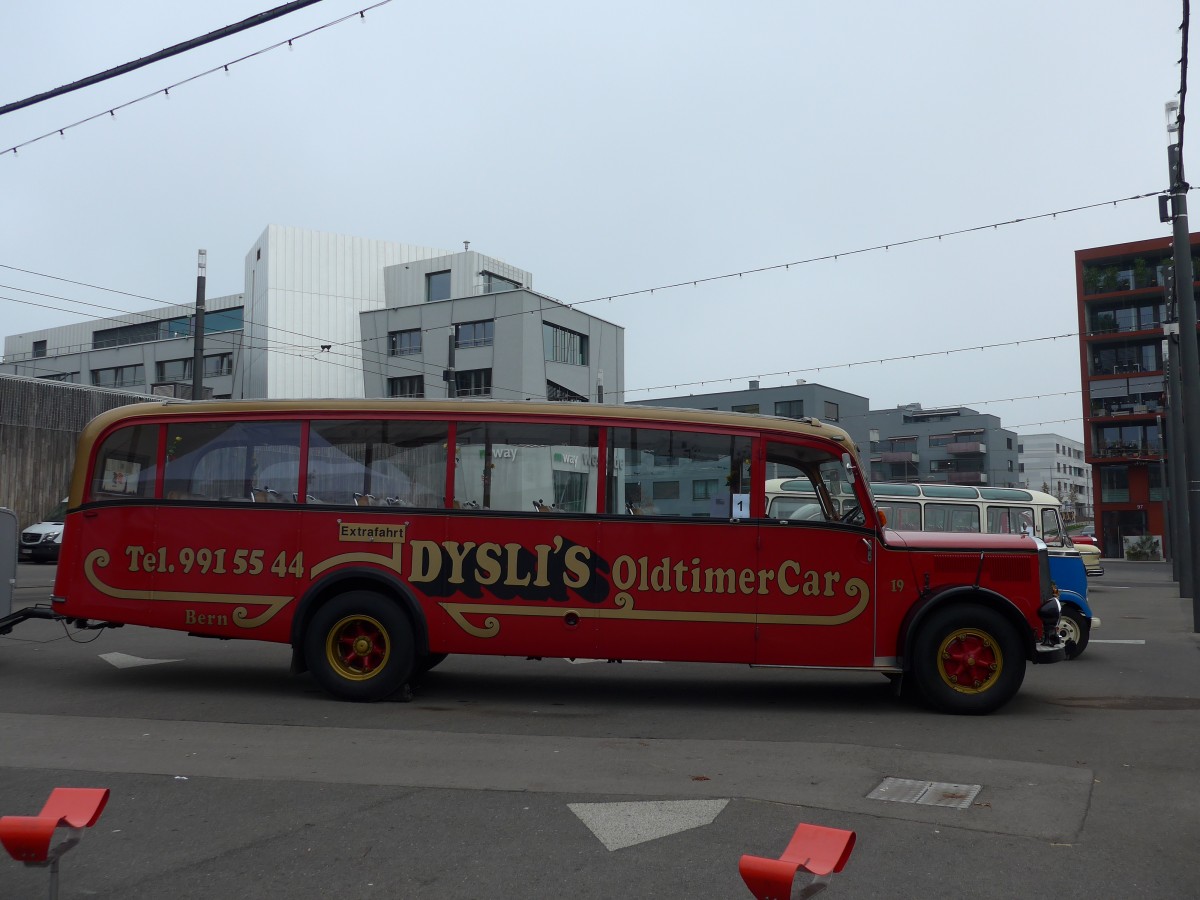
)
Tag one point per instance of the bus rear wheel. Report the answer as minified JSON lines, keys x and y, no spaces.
{"x":968,"y":660}
{"x":360,"y":646}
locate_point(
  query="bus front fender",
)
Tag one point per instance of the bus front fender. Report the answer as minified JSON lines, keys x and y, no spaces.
{"x":354,"y":579}
{"x":966,"y":594}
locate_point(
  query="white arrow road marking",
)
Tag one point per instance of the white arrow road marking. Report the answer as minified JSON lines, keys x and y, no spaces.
{"x":1101,"y":641}
{"x":620,"y":825}
{"x":125,"y":661}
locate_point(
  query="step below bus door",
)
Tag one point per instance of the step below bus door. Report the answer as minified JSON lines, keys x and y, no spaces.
{"x":817,"y":600}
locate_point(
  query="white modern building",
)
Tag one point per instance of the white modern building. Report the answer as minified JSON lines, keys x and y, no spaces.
{"x":317,"y":317}
{"x":1056,"y":464}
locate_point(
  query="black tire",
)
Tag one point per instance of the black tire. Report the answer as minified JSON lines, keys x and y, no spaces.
{"x":968,"y":660}
{"x":1074,"y":626}
{"x":359,"y":646}
{"x":430,"y":661}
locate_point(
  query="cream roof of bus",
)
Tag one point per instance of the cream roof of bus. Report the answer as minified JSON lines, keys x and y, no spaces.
{"x":613,"y":414}
{"x":962,"y":492}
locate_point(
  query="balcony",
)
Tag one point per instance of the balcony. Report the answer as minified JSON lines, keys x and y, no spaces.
{"x":966,"y":448}
{"x":967,"y":477}
{"x":897,"y":456}
{"x":1128,"y":450}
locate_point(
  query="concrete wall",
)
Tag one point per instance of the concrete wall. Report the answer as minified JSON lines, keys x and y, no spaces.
{"x":39,"y":424}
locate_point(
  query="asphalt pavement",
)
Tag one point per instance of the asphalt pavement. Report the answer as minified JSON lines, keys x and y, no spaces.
{"x":512,"y":778}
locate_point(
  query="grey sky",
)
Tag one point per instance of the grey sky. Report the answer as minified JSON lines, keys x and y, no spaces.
{"x":608,"y":148}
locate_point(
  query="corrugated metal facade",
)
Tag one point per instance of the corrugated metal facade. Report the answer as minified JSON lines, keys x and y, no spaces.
{"x":309,"y":287}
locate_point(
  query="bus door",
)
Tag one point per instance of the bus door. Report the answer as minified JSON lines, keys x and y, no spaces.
{"x":815,"y":588}
{"x":679,"y":551}
{"x":115,"y":542}
{"x":228,"y":527}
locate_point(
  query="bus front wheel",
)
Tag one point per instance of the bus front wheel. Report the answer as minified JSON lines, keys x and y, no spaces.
{"x":1074,"y":626}
{"x":968,"y":660}
{"x":360,"y":647}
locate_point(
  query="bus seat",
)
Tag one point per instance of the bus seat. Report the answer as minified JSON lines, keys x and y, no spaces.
{"x":264,"y":495}
{"x":542,"y":507}
{"x":365,"y":500}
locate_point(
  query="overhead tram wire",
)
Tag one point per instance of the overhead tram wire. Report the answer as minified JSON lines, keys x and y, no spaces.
{"x":174,"y":50}
{"x":166,"y":91}
{"x":696,"y":281}
{"x":426,"y":370}
{"x":430,"y":369}
{"x":381,"y":356}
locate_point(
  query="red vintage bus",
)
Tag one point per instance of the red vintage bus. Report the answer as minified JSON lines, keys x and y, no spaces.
{"x":377,"y":536}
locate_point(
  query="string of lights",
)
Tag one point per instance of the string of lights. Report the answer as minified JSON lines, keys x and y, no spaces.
{"x":111,"y":112}
{"x":824,"y":258}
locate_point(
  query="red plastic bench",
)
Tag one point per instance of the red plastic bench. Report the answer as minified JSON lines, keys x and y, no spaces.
{"x":817,"y":850}
{"x":28,"y":838}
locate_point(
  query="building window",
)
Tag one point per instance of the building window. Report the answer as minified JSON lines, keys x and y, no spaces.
{"x":437,"y":286}
{"x":831,"y":411}
{"x":791,"y":409}
{"x":60,"y":376}
{"x":224,"y":320}
{"x":473,"y":334}
{"x":39,"y":349}
{"x":559,"y":393}
{"x":564,"y":346}
{"x":220,"y":364}
{"x":1009,"y":443}
{"x":473,"y":383}
{"x":1114,"y":484}
{"x":408,"y":386}
{"x":745,"y":408}
{"x":119,"y":376}
{"x":493,"y":283}
{"x":666,"y":490}
{"x":173,"y":370}
{"x":401,"y":343}
{"x":704,"y":488}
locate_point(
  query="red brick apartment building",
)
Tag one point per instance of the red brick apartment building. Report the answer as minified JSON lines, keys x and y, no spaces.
{"x":1122,"y":308}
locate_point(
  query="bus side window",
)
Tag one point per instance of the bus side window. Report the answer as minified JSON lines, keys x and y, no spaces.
{"x":661,"y":472}
{"x":126,"y":464}
{"x":384,"y":462}
{"x":1052,"y":530}
{"x":243,"y":461}
{"x":812,"y":484}
{"x":523,"y":467}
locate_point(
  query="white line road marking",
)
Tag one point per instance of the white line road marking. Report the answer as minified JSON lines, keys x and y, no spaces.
{"x":1099,"y":641}
{"x":125,"y":661}
{"x":584,"y":662}
{"x":619,"y":825}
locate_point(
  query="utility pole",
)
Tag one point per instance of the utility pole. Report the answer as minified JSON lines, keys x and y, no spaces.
{"x":1189,"y":352}
{"x":1178,"y":532}
{"x":448,"y":374}
{"x":198,"y":354}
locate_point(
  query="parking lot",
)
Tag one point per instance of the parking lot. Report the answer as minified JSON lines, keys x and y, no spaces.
{"x":517,"y":778}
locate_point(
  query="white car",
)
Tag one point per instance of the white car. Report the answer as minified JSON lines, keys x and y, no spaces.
{"x":40,"y":542}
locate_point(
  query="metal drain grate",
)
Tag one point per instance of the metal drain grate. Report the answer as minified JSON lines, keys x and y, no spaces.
{"x":926,"y":793}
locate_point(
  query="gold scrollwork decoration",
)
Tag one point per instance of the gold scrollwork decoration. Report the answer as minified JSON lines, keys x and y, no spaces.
{"x":241,"y":616}
{"x":393,"y":562}
{"x":626,"y":609}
